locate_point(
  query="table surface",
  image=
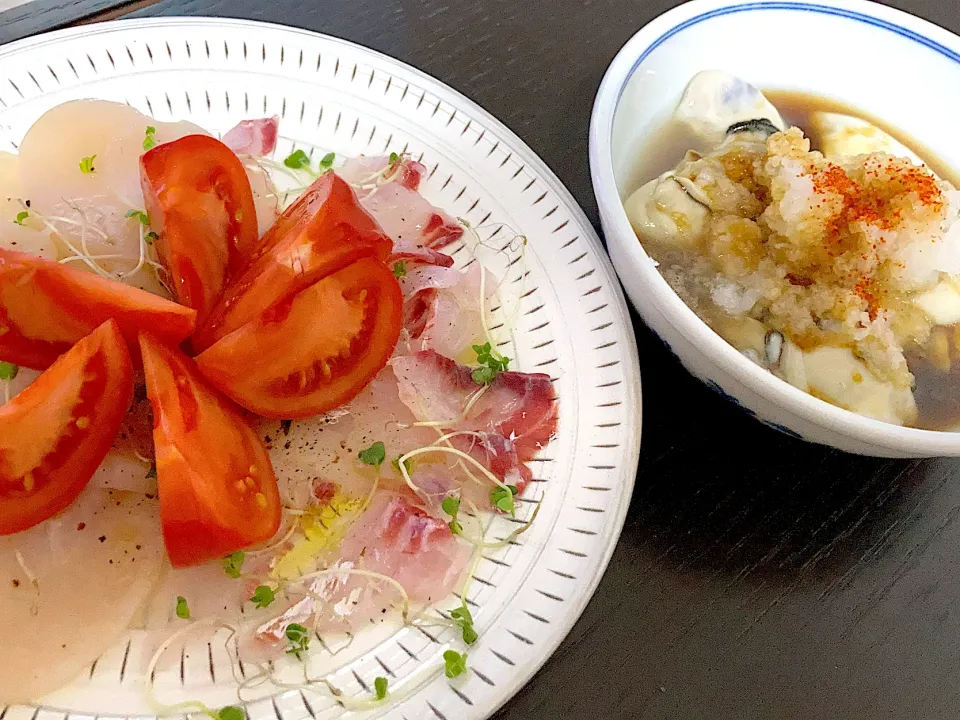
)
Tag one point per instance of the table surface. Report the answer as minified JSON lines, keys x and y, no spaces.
{"x":757,"y":576}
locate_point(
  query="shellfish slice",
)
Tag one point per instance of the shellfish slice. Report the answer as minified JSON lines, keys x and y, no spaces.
{"x":715,"y":100}
{"x":847,"y":136}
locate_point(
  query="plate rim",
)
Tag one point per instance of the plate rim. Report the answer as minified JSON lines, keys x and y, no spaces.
{"x":632,"y":374}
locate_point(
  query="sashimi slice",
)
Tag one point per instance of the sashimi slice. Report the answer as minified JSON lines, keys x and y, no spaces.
{"x":520,"y":407}
{"x":70,"y":587}
{"x":405,"y":215}
{"x":253,"y":137}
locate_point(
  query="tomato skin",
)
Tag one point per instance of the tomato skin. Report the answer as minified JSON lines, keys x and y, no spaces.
{"x":218,"y":491}
{"x":324,"y":230}
{"x":46,"y":307}
{"x":313,"y":350}
{"x":200,"y":203}
{"x":55,"y":434}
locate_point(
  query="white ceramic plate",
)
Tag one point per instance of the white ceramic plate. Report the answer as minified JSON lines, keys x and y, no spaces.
{"x":573,"y":324}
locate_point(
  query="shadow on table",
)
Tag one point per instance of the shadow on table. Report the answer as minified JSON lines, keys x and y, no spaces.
{"x":718,"y":491}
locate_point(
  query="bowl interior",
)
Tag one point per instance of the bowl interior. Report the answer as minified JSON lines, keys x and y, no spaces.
{"x":862,"y":54}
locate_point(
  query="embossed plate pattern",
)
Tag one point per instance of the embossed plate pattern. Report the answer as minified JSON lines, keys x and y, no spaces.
{"x":571,"y":322}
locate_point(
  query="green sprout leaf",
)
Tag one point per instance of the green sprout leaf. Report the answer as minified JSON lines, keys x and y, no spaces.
{"x":21,"y":216}
{"x":8,"y":371}
{"x":297,"y":160}
{"x":451,"y":506}
{"x":380,"y":687}
{"x":149,"y":141}
{"x":233,"y":564}
{"x":86,"y":165}
{"x":502,"y":498}
{"x":394,"y":158}
{"x":400,"y":269}
{"x":150,"y":237}
{"x":397,"y":463}
{"x":152,"y":472}
{"x":373,"y":455}
{"x":183,"y":610}
{"x":491,"y":363}
{"x":231,"y":712}
{"x":464,"y":620}
{"x":299,"y":638}
{"x":263,"y":596}
{"x":139,"y":215}
{"x":455,"y":664}
{"x":326,"y":162}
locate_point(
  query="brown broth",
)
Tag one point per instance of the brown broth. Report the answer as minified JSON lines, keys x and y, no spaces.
{"x":937,"y":393}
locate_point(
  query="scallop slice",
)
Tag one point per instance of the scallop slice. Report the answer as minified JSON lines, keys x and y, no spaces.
{"x":848,"y":136}
{"x":89,"y":210}
{"x":70,"y":587}
{"x":23,"y":234}
{"x":715,"y":101}
{"x":10,"y":193}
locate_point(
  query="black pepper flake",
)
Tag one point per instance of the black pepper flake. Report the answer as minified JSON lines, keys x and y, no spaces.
{"x":102,"y":538}
{"x":16,"y":583}
{"x":81,"y":526}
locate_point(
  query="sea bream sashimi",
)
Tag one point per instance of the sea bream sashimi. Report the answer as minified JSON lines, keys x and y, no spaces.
{"x":388,"y":190}
{"x":292,"y":315}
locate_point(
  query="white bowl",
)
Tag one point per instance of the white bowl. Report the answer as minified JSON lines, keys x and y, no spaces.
{"x":882,"y":61}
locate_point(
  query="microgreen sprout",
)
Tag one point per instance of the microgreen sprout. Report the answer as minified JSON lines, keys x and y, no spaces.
{"x":150,"y":237}
{"x":398,"y":462}
{"x":380,"y":688}
{"x":455,"y":664}
{"x":299,"y":638}
{"x":151,"y":472}
{"x":326,"y":162}
{"x":451,"y":506}
{"x":400,"y":269}
{"x":139,"y":215}
{"x":231,"y":712}
{"x":183,"y":610}
{"x":502,"y":498}
{"x":263,"y":596}
{"x":491,"y":364}
{"x":464,"y":620}
{"x":149,"y":139}
{"x":8,"y":371}
{"x":297,"y":160}
{"x":373,"y":455}
{"x":21,"y":216}
{"x":394,"y":158}
{"x":86,"y":165}
{"x":233,"y":564}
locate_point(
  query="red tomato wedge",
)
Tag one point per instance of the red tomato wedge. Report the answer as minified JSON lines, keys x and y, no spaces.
{"x":55,"y":433}
{"x":218,"y":492}
{"x":199,"y":200}
{"x":315,"y":349}
{"x":46,"y":307}
{"x":325,"y":230}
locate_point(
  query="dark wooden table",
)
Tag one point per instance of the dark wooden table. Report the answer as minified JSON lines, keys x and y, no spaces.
{"x":757,"y":576}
